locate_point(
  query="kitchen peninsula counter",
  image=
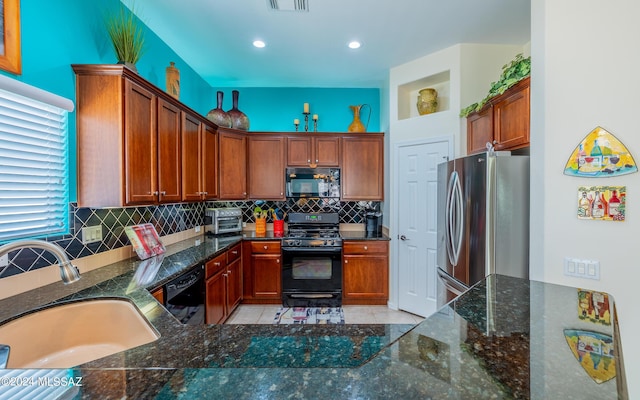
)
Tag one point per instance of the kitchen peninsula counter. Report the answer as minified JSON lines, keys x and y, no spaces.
{"x":502,"y":339}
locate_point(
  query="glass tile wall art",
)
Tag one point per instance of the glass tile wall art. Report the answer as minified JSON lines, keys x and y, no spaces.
{"x":607,"y":203}
{"x":600,"y":154}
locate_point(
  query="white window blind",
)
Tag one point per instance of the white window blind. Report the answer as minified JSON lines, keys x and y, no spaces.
{"x":34,"y":190}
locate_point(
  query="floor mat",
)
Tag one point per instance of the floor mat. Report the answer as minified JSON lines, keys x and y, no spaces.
{"x":309,"y":315}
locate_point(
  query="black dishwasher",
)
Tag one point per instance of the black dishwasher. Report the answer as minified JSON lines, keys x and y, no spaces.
{"x":185,"y":296}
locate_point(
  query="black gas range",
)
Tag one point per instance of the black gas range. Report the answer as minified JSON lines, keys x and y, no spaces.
{"x":312,"y":261}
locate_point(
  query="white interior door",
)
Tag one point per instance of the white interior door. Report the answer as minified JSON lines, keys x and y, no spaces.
{"x":417,"y":202}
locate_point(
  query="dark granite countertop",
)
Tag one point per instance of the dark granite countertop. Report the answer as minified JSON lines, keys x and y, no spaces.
{"x":504,"y":338}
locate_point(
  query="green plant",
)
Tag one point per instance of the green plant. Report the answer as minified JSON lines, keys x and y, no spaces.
{"x":518,"y":69}
{"x":126,"y":35}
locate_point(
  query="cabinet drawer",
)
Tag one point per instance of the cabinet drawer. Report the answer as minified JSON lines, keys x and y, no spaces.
{"x":234,"y":253}
{"x":261,"y":247}
{"x":366,"y":247}
{"x":215,"y":265}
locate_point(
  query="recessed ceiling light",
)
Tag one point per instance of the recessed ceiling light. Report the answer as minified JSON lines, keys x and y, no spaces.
{"x":354,"y":44}
{"x":259,"y":44}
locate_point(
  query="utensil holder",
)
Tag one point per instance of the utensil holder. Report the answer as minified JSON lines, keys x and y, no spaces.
{"x":278,"y":227}
{"x":261,"y":225}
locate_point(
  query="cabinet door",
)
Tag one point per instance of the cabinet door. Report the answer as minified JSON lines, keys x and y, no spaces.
{"x":362,"y":168}
{"x":141,"y":149}
{"x":233,"y":166}
{"x":191,"y":158}
{"x":479,"y":130}
{"x":365,"y":277}
{"x":266,"y":167}
{"x":216,"y":299}
{"x":298,"y":151}
{"x":266,"y":276}
{"x":327,"y":151}
{"x":210,"y":163}
{"x":234,"y":285}
{"x":511,"y":120}
{"x":169,"y":180}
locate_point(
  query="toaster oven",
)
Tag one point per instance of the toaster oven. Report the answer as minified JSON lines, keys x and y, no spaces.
{"x":223,"y":220}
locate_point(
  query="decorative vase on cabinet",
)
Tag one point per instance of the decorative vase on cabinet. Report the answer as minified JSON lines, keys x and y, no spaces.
{"x":239,"y":120}
{"x":217,"y":115}
{"x":427,"y":101}
{"x":173,"y":80}
{"x":357,"y":125}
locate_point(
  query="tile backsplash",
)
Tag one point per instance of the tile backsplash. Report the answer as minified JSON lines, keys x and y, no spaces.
{"x":167,"y":219}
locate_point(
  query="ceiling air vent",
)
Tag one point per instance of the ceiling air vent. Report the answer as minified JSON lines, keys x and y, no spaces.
{"x":288,"y":5}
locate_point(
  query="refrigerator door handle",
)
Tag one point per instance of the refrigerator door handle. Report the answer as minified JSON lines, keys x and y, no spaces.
{"x":451,"y":284}
{"x":449,"y":219}
{"x":459,"y":218}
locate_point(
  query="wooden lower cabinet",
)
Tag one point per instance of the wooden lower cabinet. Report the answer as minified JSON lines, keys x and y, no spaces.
{"x":223,"y":285}
{"x":365,"y":273}
{"x":262,"y":272}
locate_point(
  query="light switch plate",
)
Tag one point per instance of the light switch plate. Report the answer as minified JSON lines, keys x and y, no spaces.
{"x":580,"y":268}
{"x":91,"y":234}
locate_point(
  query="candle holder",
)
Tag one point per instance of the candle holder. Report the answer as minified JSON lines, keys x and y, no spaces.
{"x":296,"y":126}
{"x":306,"y":121}
{"x":315,"y":124}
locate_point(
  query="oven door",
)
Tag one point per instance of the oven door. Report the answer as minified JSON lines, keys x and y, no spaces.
{"x":311,"y":277}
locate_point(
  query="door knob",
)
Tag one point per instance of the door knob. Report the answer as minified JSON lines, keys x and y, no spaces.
{"x":403,"y":237}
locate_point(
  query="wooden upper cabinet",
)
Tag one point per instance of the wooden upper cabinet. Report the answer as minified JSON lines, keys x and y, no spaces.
{"x":191,"y":158}
{"x":233,"y":165}
{"x":266,"y":167}
{"x":313,"y":151}
{"x":511,"y":119}
{"x":141,"y":152}
{"x":128,"y":139}
{"x":362,"y":167}
{"x":169,"y":179}
{"x":209,"y":162}
{"x":504,"y":121}
{"x":479,"y":130}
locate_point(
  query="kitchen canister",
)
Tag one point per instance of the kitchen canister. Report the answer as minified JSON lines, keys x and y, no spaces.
{"x":278,"y":227}
{"x":261,"y":226}
{"x":427,"y":101}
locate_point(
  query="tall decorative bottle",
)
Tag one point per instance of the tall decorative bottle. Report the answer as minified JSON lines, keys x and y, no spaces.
{"x":239,"y":120}
{"x":173,"y":80}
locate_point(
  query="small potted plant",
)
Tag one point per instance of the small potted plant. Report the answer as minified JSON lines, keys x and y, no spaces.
{"x":126,"y":36}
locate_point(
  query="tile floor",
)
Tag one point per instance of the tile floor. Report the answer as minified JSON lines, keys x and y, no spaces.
{"x":264,"y":314}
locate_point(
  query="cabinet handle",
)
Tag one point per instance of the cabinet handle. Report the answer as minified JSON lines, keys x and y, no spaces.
{"x":155,"y":193}
{"x":277,"y":261}
{"x":346,"y":261}
{"x":234,"y":252}
{"x":316,"y":161}
{"x":163,"y":193}
{"x":217,"y":264}
{"x":265,"y":247}
{"x":225,"y":275}
{"x":309,"y":160}
{"x":495,"y":142}
{"x":366,"y":248}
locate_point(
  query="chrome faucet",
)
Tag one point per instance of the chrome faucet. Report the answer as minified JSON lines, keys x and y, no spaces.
{"x":4,"y":355}
{"x":68,"y":271}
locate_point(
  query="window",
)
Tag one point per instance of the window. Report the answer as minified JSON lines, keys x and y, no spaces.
{"x":34,"y":188}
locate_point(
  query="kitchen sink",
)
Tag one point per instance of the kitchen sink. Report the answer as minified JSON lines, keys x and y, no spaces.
{"x":70,"y":334}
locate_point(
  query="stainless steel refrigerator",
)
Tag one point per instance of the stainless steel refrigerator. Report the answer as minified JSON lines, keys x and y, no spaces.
{"x":483,"y":220}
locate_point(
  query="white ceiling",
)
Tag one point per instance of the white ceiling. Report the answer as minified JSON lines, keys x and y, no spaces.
{"x":309,"y":49}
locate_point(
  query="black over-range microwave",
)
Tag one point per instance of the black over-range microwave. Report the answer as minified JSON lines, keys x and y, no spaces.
{"x":313,"y":182}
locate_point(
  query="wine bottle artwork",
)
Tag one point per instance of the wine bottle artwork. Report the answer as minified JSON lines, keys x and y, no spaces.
{"x":603,"y":203}
{"x":600,"y":154}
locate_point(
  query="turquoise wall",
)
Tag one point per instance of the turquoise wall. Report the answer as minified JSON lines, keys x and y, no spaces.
{"x":56,"y":34}
{"x":274,"y":109}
